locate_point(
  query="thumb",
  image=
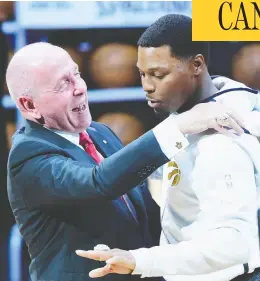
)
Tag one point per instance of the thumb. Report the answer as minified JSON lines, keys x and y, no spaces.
{"x":117,"y":260}
{"x":121,"y":261}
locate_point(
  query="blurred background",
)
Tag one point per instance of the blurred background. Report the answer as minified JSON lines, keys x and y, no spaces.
{"x":101,"y":37}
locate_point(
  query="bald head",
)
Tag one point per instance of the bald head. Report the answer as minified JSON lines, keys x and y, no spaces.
{"x":47,"y":87}
{"x":27,"y":68}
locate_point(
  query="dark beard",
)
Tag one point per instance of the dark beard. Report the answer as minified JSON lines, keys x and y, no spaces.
{"x":187,"y":106}
{"x":161,"y":115}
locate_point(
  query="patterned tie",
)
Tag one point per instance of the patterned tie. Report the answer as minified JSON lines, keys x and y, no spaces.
{"x":86,"y":142}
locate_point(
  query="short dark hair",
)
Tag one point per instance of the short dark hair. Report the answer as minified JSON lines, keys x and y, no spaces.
{"x":175,"y":31}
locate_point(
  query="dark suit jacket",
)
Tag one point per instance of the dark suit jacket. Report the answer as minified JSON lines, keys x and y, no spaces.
{"x":62,"y":201}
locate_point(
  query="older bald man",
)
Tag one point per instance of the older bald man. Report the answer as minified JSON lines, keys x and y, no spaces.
{"x":71,"y":185}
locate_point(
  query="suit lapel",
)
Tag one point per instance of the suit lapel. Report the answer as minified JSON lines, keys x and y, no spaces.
{"x":36,"y":130}
{"x":80,"y":154}
{"x":106,"y":148}
{"x":101,"y":142}
{"x":136,"y":197}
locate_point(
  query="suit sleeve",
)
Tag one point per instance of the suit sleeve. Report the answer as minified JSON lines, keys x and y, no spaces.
{"x":46,"y":176}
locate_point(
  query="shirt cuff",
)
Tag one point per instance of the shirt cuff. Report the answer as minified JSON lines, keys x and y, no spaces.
{"x":170,"y":138}
{"x":143,"y":262}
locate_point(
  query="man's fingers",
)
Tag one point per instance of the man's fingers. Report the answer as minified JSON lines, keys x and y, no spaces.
{"x":231,"y":113}
{"x":237,"y":118}
{"x":95,"y":255}
{"x":223,"y":131}
{"x":231,"y":123}
{"x":124,"y":262}
{"x":100,"y":272}
{"x":235,"y":126}
{"x":118,"y":260}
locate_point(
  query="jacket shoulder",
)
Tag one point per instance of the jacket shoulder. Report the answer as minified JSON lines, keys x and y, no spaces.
{"x":25,"y":147}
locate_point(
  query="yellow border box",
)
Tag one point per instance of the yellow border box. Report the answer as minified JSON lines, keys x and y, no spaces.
{"x":219,"y":20}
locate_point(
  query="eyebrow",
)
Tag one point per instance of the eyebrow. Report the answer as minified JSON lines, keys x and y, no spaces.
{"x":154,"y":68}
{"x":58,"y":83}
{"x":76,"y":67}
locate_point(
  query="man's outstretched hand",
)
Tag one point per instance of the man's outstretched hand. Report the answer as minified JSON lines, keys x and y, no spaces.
{"x":117,"y":261}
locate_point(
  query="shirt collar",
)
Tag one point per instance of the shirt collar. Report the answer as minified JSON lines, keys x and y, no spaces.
{"x":72,"y":137}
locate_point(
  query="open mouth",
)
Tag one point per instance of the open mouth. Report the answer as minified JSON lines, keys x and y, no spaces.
{"x":80,"y":108}
{"x":154,"y":104}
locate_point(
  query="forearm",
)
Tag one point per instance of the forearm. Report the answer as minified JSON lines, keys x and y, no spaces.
{"x":143,"y":157}
{"x":213,"y":251}
{"x":59,"y":179}
{"x":130,"y":166}
{"x":52,"y":178}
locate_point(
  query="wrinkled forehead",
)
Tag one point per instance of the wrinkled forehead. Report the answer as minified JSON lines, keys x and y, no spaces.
{"x":54,"y":65}
{"x":56,"y":61}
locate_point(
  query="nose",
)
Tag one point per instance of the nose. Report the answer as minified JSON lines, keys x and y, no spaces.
{"x":148,"y":85}
{"x":80,"y":87}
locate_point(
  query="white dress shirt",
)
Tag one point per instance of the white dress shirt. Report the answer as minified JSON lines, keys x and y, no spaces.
{"x":72,"y":137}
{"x":208,"y":212}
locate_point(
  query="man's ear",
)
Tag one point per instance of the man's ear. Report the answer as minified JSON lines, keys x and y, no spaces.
{"x":27,"y":106}
{"x":198,"y":64}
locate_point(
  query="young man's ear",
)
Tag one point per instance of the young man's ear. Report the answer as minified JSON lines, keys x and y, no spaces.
{"x":198,"y":64}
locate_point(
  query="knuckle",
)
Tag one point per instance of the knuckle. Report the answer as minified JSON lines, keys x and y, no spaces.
{"x":229,"y":111}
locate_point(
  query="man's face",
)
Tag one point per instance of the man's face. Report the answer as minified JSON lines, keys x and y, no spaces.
{"x":61,"y":95}
{"x":168,"y":81}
